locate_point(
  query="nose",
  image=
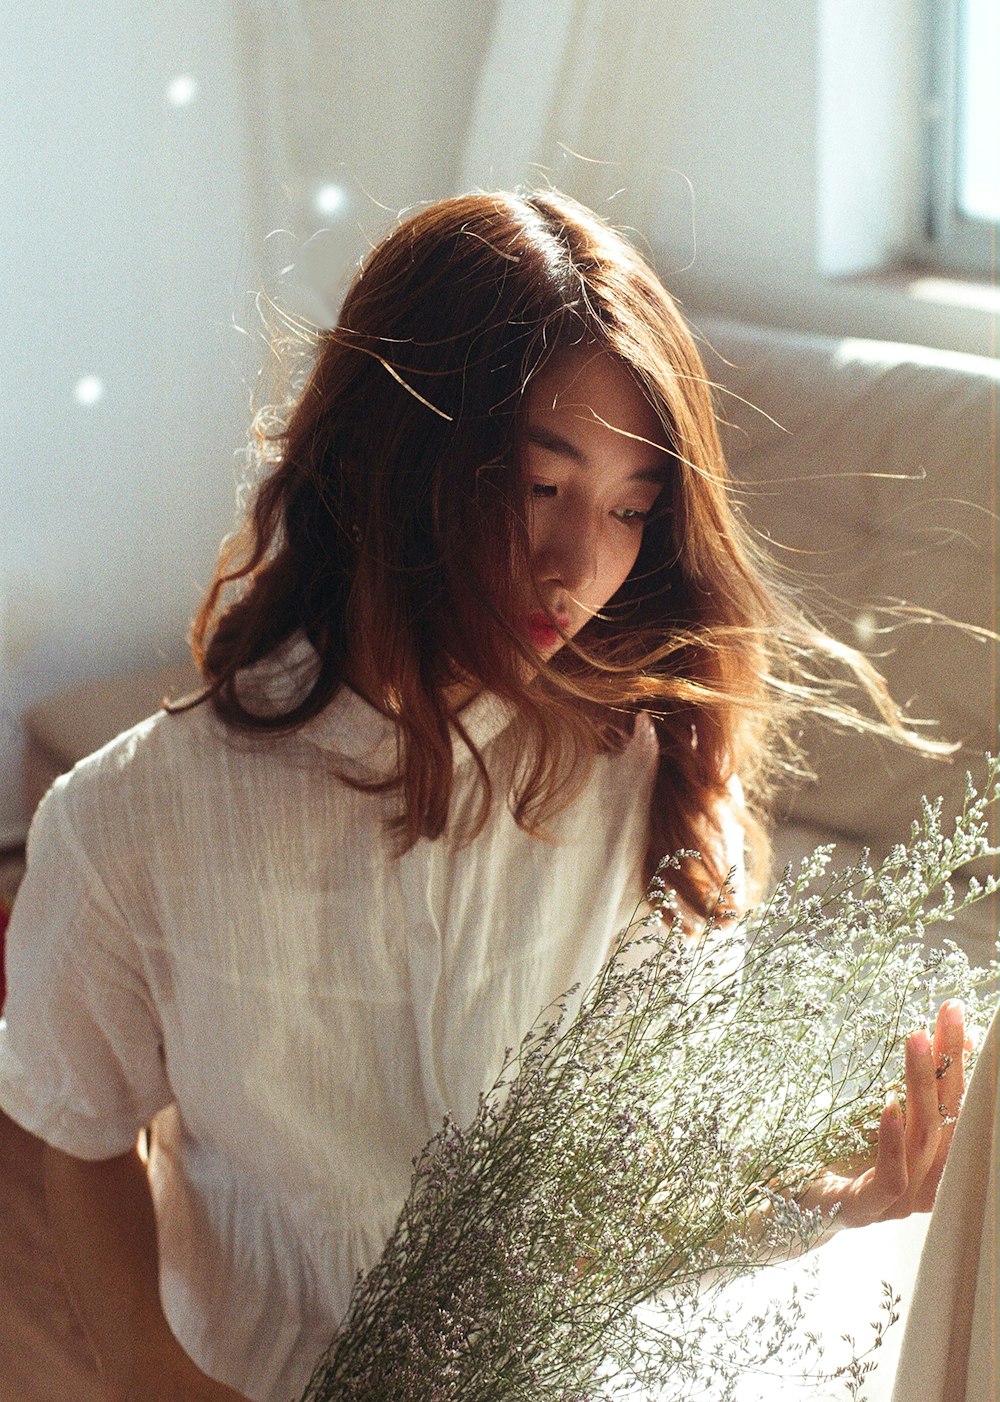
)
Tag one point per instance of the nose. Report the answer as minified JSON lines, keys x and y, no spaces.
{"x":567,"y":552}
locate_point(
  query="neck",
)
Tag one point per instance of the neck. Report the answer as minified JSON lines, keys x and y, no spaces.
{"x":381,"y":694}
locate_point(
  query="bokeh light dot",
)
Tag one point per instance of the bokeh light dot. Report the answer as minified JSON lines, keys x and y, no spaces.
{"x":330,"y":199}
{"x":88,"y":390}
{"x":182,"y":90}
{"x":866,"y":628}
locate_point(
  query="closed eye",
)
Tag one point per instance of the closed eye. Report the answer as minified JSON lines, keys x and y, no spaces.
{"x":627,"y":515}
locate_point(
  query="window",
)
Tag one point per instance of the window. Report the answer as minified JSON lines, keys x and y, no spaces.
{"x":963,"y":204}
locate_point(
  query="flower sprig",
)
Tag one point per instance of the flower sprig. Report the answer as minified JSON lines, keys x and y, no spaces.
{"x":655,"y":1132}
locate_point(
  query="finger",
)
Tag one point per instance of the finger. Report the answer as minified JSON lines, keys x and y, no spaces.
{"x":950,"y":1048}
{"x":873,"y":1194}
{"x":949,"y":1070}
{"x":922,"y":1122}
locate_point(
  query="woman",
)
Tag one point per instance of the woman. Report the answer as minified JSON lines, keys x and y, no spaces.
{"x":491,"y":641}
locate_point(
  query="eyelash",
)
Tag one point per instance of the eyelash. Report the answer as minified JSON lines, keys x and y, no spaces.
{"x":627,"y":516}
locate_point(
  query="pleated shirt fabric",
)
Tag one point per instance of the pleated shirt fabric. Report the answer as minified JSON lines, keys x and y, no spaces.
{"x":214,"y":935}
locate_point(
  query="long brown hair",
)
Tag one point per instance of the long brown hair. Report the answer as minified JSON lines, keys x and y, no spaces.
{"x":390,"y":531}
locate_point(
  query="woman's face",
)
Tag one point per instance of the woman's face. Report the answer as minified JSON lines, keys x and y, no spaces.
{"x":595,"y":457}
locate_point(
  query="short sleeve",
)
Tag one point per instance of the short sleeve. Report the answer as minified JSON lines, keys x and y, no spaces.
{"x":81,"y":1051}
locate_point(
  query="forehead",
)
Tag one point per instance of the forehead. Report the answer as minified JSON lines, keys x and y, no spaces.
{"x":592,"y":392}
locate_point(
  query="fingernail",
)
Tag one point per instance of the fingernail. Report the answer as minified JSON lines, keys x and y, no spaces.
{"x":892,"y":1103}
{"x":920,"y":1040}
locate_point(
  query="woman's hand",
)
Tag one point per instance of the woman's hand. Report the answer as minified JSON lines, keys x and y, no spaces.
{"x":911,"y":1149}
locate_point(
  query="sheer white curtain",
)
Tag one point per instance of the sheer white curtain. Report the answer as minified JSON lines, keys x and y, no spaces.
{"x":357,"y":112}
{"x":354,"y":113}
{"x":577,"y":93}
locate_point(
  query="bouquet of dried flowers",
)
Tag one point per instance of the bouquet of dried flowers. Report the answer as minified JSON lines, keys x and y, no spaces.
{"x":656,"y":1131}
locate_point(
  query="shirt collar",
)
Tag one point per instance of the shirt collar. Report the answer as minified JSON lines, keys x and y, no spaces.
{"x":352,"y":727}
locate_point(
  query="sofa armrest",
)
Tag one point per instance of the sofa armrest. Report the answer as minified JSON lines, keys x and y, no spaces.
{"x":63,"y":729}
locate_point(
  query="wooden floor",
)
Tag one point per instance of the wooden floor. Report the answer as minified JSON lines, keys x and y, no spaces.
{"x":44,"y":1356}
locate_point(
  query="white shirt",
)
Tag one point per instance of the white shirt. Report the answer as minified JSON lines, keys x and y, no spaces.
{"x":214,"y":931}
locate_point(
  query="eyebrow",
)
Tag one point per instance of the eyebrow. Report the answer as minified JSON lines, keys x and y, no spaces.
{"x":556,"y":443}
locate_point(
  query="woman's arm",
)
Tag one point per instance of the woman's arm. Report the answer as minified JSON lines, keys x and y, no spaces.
{"x":101,"y":1216}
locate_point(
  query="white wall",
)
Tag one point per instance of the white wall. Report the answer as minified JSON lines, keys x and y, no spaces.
{"x":137,"y":237}
{"x":127,"y":261}
{"x":798,"y":125}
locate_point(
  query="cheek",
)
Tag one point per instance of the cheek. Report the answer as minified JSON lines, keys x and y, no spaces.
{"x":536,"y":543}
{"x":619,"y":560}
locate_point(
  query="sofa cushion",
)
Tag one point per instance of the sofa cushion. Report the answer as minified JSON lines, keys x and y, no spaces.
{"x":64,"y":728}
{"x":868,"y":470}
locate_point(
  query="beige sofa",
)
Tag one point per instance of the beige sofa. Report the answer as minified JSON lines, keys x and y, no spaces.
{"x":870,"y":470}
{"x":63,"y":728}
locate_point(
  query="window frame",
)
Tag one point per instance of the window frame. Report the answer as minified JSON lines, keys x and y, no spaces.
{"x":950,"y":239}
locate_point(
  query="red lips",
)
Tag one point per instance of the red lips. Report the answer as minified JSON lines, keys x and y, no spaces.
{"x":543,"y":632}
